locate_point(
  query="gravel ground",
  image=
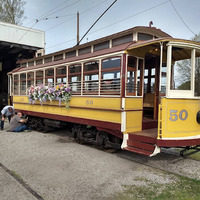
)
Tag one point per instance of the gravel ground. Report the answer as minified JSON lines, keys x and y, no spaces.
{"x":58,"y":168}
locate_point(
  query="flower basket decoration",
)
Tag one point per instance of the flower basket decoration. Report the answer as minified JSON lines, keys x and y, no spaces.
{"x":44,"y":93}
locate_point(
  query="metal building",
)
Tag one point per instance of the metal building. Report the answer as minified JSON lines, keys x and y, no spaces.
{"x":16,"y":43}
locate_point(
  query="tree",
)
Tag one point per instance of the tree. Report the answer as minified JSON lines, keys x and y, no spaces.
{"x":12,"y":11}
{"x":184,"y":71}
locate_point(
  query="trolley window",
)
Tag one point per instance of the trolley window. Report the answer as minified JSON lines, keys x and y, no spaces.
{"x":180,"y":73}
{"x":91,"y":77}
{"x":181,"y":67}
{"x":39,"y":77}
{"x":22,"y":84}
{"x":197,"y":75}
{"x":49,"y":76}
{"x":16,"y":84}
{"x":134,"y":76}
{"x":61,"y":75}
{"x":110,"y":76}
{"x":30,"y":79}
{"x":74,"y":78}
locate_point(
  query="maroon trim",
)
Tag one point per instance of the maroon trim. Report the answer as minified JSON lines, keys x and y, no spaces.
{"x":123,"y":76}
{"x":142,"y":138}
{"x":177,"y":143}
{"x":141,"y":29}
{"x":96,"y":123}
{"x":141,"y":145}
{"x":118,"y":134}
{"x":149,"y":124}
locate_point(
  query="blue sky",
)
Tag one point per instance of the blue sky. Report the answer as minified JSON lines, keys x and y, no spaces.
{"x":58,"y":18}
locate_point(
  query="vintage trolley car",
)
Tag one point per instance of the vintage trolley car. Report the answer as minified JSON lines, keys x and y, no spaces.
{"x":126,"y":91}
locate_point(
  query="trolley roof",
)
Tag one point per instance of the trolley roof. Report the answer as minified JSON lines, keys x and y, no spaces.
{"x":182,"y":47}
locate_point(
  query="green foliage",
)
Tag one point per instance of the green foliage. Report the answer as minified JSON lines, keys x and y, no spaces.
{"x":12,"y":11}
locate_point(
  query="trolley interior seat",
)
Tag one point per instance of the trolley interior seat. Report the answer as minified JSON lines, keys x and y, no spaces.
{"x":143,"y":142}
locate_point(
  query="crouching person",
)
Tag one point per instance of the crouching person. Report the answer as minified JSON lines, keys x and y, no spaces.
{"x":17,"y":123}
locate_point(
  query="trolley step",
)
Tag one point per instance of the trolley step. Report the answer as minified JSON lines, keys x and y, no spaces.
{"x":139,"y":151}
{"x":143,"y":142}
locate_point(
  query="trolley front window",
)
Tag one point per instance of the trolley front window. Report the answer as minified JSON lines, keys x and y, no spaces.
{"x":197,"y":75}
{"x":180,"y":71}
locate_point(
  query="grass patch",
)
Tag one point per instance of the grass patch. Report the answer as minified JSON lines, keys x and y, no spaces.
{"x":182,"y":189}
{"x":195,"y":155}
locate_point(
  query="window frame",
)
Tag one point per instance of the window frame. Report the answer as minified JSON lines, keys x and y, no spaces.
{"x":49,"y":77}
{"x":90,"y":72}
{"x":111,"y":69}
{"x":39,"y":78}
{"x":69,"y":75}
{"x":22,"y":80}
{"x":180,"y":93}
{"x":61,"y":75}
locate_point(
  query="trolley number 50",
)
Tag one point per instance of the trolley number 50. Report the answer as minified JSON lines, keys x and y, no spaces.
{"x":182,"y":115}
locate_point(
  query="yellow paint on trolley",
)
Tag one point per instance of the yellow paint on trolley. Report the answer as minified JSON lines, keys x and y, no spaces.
{"x":134,"y":108}
{"x":106,"y":109}
{"x":134,"y":121}
{"x":135,"y":103}
{"x":178,"y":118}
{"x":102,"y":109}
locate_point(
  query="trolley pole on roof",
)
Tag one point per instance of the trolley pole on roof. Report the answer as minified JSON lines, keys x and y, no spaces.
{"x":96,"y":22}
{"x":77,"y":27}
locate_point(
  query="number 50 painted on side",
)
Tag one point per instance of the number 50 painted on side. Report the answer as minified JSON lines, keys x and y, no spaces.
{"x":174,"y":116}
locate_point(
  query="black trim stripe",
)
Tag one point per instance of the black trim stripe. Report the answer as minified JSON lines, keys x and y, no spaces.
{"x":34,"y":193}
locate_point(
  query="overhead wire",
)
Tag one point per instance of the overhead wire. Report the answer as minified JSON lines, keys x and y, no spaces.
{"x":27,"y":31}
{"x":158,"y":5}
{"x":47,"y":13}
{"x":40,"y":18}
{"x":62,"y":8}
{"x":181,"y":18}
{"x":74,"y":16}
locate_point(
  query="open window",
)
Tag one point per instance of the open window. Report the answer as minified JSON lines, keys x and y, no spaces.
{"x":134,"y":81}
{"x":16,"y":84}
{"x":91,"y":78}
{"x":30,"y":79}
{"x":49,"y":76}
{"x":111,"y":76}
{"x":74,"y":78}
{"x":39,"y":77}
{"x":61,"y":75}
{"x":23,"y":84}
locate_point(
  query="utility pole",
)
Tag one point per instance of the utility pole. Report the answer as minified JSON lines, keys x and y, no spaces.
{"x":77,"y":27}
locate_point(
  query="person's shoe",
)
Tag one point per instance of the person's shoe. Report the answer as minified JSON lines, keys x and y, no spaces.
{"x":28,"y":130}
